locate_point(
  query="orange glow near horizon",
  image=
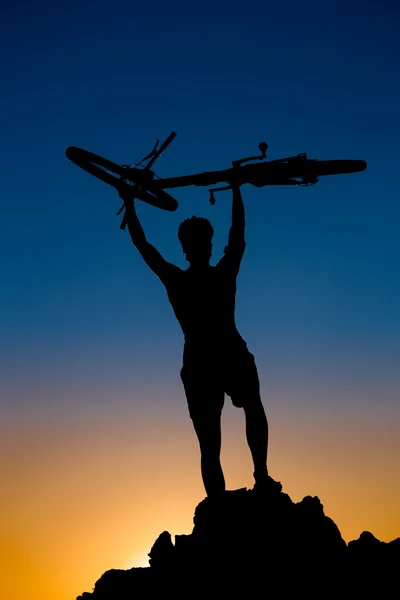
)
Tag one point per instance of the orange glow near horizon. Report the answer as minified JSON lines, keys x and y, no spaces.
{"x":84,"y":498}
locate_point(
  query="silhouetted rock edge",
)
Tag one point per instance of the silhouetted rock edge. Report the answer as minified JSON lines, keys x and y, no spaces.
{"x":248,"y":540}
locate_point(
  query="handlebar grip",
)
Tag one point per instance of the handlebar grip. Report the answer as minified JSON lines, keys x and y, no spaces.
{"x":167,"y":142}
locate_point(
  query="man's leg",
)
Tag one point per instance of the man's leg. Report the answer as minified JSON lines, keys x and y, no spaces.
{"x":205,"y":399}
{"x":208,"y":431}
{"x":244,"y":386}
{"x":257,"y":436}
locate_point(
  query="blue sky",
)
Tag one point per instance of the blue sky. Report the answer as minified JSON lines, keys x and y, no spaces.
{"x":319,"y":287}
{"x":319,"y":283}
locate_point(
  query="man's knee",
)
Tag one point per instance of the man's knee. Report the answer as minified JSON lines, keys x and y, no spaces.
{"x":254,"y":409}
{"x":208,"y":432}
{"x":249,"y":400}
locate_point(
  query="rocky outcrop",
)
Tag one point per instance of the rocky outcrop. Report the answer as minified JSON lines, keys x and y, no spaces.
{"x":249,"y":542}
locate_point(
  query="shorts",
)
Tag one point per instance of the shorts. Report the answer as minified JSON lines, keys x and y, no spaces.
{"x":207,"y":382}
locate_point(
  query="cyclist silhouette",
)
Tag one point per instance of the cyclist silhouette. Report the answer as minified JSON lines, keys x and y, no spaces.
{"x":216,"y":359}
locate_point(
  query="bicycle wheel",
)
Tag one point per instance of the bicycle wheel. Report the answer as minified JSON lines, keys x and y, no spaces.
{"x":298,"y":171}
{"x":116,"y":176}
{"x":334,"y":167}
{"x":276,"y":172}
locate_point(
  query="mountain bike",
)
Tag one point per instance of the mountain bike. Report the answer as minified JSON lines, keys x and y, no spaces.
{"x":142,"y":183}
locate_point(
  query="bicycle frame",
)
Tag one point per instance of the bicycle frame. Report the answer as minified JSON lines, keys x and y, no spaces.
{"x":255,"y":174}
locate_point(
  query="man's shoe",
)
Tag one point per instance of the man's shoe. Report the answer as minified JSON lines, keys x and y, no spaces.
{"x":266,"y":485}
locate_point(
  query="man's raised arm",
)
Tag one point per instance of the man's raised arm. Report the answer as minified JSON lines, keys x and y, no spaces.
{"x":234,"y":250}
{"x":150,"y":255}
{"x":236,"y":233}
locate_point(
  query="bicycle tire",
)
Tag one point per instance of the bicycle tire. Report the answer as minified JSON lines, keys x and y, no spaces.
{"x":268,"y":173}
{"x":112,"y":173}
{"x":334,"y":167}
{"x":301,"y":168}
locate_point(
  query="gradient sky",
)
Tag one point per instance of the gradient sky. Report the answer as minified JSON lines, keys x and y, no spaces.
{"x":98,"y":455}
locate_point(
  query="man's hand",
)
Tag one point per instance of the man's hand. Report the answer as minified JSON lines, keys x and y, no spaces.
{"x":128,"y":199}
{"x":125,"y":194}
{"x":235,"y":179}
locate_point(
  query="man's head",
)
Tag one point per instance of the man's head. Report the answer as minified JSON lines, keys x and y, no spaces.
{"x":195,"y":235}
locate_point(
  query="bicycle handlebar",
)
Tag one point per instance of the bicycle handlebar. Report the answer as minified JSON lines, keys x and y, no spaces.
{"x":167,"y":142}
{"x":157,"y":153}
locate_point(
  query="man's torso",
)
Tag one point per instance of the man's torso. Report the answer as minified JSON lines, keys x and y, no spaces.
{"x":204,"y":304}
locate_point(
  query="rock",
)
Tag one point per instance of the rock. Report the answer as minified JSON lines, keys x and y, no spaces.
{"x":253,"y":542}
{"x":162,"y":554}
